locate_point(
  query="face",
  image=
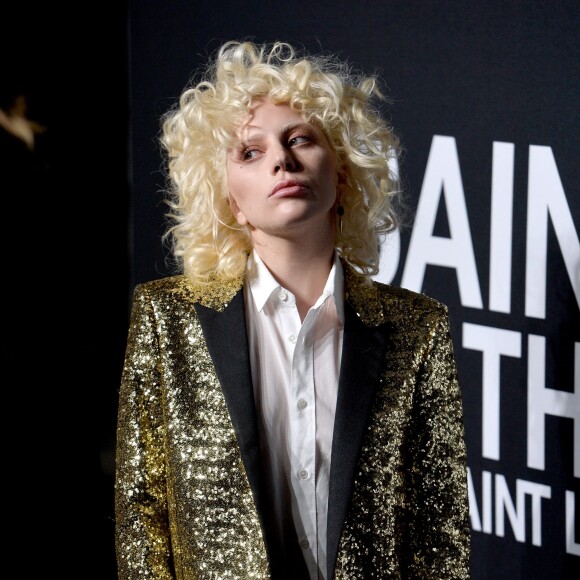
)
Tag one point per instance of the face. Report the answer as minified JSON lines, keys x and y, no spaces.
{"x":282,"y":174}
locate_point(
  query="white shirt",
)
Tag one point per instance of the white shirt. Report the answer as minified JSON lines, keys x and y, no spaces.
{"x":295,"y":368}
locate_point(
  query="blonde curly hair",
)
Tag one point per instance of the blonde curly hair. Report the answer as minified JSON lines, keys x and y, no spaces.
{"x":206,"y":240}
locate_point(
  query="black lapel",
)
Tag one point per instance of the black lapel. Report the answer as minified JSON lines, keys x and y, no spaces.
{"x":227,"y":342}
{"x":363,"y":355}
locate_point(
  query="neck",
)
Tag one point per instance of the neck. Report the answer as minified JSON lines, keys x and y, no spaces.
{"x":301,"y":266}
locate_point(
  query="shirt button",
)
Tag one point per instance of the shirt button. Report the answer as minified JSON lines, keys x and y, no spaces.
{"x":283,"y":295}
{"x":302,"y":404}
{"x":305,"y":544}
{"x":303,"y":474}
{"x":292,"y":339}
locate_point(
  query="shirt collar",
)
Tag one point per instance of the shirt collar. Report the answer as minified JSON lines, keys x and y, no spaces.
{"x":260,"y":279}
{"x":263,"y":284}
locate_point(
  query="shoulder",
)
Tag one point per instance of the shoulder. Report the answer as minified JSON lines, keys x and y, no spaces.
{"x":408,"y":299}
{"x":376,"y":303}
{"x":214,"y":294}
{"x":160,"y":286}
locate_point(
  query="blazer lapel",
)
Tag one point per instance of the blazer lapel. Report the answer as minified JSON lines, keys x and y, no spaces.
{"x":227,"y":342}
{"x":362,"y":359}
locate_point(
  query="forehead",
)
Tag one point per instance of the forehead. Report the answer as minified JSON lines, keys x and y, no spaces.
{"x":265,"y":116}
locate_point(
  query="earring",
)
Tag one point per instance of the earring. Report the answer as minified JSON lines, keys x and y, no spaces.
{"x":340,"y":213}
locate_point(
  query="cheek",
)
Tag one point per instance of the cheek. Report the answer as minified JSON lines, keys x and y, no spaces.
{"x":333,"y":182}
{"x":239,"y":182}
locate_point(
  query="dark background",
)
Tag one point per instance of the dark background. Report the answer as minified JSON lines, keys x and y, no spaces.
{"x":65,"y":287}
{"x":100,"y":78}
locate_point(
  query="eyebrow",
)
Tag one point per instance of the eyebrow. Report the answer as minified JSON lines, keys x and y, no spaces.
{"x":255,"y":132}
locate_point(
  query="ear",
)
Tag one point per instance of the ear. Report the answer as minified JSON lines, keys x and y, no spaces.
{"x":237,"y":212}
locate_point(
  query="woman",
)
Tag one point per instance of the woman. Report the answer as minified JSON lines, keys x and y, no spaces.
{"x":282,"y":415}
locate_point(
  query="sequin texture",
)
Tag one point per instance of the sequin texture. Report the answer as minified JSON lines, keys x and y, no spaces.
{"x":184,"y":506}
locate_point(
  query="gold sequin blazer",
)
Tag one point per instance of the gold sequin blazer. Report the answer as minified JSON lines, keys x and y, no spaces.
{"x":189,"y":495}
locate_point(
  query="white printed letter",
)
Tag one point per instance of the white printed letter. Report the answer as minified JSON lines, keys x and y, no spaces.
{"x":390,"y":251}
{"x":500,"y":243}
{"x":473,"y":511}
{"x":517,"y":514}
{"x":493,"y":343}
{"x":572,"y":547}
{"x":543,"y":401}
{"x":443,"y":175}
{"x":546,"y":197}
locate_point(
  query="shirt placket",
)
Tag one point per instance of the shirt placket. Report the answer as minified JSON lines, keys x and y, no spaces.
{"x":303,"y":432}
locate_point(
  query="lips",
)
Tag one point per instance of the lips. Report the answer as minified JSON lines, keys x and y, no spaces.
{"x":288,"y":188}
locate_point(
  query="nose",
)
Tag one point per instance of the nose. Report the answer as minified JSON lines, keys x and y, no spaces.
{"x":283,"y":160}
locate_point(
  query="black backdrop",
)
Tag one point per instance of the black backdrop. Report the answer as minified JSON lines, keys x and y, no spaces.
{"x":485,"y":101}
{"x":65,"y":289}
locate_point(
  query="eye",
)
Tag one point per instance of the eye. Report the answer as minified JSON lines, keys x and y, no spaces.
{"x":248,"y":153}
{"x":299,"y":140}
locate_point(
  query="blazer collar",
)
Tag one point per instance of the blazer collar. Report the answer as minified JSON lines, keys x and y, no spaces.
{"x":359,"y":292}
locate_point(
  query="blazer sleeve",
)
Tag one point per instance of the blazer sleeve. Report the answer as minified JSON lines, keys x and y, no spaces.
{"x":440,"y":532}
{"x":142,"y":524}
